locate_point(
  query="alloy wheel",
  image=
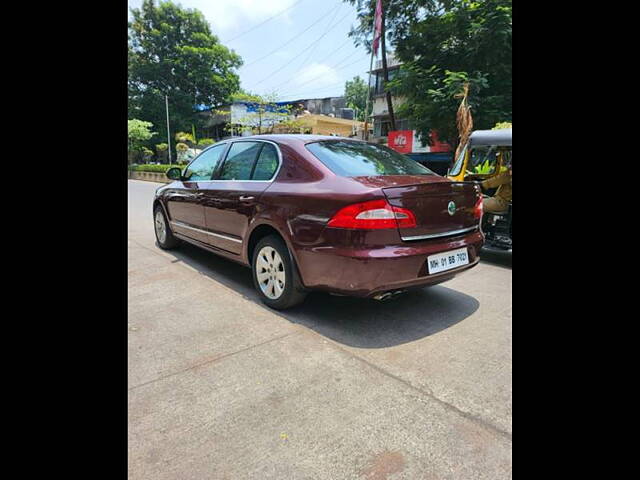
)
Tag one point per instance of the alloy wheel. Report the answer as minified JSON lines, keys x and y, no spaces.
{"x":270,"y":272}
{"x":161,"y":227}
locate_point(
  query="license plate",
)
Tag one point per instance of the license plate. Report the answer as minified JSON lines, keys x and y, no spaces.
{"x":447,"y":260}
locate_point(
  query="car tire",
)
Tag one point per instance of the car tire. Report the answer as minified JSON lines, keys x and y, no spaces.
{"x":275,"y":275}
{"x":164,"y":235}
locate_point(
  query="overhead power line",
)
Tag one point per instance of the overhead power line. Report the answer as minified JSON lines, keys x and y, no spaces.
{"x":332,"y":86}
{"x":320,"y":76}
{"x":322,"y":60}
{"x":290,"y":40}
{"x":335,"y":67}
{"x":305,"y":50}
{"x":262,"y":23}
{"x":334,"y":51}
{"x":318,"y":41}
{"x":308,"y":93}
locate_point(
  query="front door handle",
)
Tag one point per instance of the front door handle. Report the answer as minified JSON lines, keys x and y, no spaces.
{"x":181,"y":195}
{"x":245,"y":198}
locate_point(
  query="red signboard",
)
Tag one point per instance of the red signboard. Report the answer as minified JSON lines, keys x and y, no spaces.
{"x":401,"y":140}
{"x":437,"y":145}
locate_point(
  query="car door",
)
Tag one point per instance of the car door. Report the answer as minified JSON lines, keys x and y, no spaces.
{"x":185,"y":202}
{"x":230,"y":200}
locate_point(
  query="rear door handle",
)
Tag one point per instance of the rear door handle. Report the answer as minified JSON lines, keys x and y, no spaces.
{"x":245,"y":198}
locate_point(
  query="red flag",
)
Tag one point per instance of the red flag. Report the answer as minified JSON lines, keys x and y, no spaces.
{"x":377,"y":27}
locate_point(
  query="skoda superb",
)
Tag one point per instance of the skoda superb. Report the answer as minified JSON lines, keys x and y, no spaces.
{"x":321,"y":213}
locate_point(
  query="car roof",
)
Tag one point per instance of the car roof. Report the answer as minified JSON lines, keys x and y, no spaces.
{"x":500,"y":138}
{"x":293,"y":138}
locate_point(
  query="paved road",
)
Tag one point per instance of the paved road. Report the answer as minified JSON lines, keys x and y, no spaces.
{"x":221,"y":387}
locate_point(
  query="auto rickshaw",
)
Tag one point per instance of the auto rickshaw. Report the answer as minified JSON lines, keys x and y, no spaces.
{"x":486,"y":154}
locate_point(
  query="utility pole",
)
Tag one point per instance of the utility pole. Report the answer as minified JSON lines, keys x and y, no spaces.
{"x":354,"y":128}
{"x":366,"y":106}
{"x":385,"y":71}
{"x":166,"y":102}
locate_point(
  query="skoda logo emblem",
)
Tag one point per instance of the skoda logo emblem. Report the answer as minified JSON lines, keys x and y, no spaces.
{"x":451,"y":208}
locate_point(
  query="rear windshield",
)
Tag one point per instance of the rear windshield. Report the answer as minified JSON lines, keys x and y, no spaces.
{"x":355,"y":159}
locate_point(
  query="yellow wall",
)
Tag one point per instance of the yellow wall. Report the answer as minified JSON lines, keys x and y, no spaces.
{"x":326,"y":128}
{"x":325,"y":125}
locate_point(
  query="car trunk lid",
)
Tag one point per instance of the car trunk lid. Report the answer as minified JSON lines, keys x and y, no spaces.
{"x":441,"y":207}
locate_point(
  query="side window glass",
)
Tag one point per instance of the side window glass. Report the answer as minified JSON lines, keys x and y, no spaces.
{"x":267,"y":163}
{"x":204,"y":165}
{"x":240,"y":160}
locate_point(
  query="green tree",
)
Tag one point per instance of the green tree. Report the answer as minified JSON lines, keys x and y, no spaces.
{"x":172,"y":51}
{"x":138,"y":132}
{"x":181,"y":152}
{"x":147,"y":154}
{"x":442,"y":45}
{"x":205,"y":142}
{"x":162,"y":150}
{"x":185,"y":137}
{"x":355,"y":94}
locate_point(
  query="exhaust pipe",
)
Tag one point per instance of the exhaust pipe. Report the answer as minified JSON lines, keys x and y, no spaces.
{"x":383,"y":297}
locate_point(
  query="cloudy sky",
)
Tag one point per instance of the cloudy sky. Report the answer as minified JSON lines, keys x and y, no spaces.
{"x":302,"y":53}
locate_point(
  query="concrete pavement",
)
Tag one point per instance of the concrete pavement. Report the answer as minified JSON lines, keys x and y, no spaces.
{"x":222,"y":387}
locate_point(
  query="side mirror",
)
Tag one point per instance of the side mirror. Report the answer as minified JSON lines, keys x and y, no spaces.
{"x":174,"y":173}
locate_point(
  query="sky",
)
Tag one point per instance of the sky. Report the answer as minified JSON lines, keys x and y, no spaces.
{"x":302,"y":53}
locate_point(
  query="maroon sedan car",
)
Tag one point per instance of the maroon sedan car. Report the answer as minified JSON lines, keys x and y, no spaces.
{"x":326,"y":213}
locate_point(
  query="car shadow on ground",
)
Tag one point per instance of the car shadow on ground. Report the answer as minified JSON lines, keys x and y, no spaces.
{"x":355,"y":322}
{"x":496,"y":257}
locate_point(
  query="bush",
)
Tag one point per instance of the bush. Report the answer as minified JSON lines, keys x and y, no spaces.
{"x":147,"y":154}
{"x":205,"y":142}
{"x":181,"y":152}
{"x":152,"y":168}
{"x":163,"y":151}
{"x":184,"y":137}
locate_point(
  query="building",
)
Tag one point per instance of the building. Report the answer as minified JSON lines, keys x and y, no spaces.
{"x":380,"y":109}
{"x":404,"y":139}
{"x":325,"y":125}
{"x":240,"y":118}
{"x":332,"y":106}
{"x":324,"y":116}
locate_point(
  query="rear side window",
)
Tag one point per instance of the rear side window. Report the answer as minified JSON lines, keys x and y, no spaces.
{"x":267,"y":163}
{"x":240,"y":160}
{"x":355,"y":159}
{"x":204,"y":166}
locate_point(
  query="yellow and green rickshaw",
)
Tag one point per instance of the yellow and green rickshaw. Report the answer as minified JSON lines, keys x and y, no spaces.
{"x":487,"y":154}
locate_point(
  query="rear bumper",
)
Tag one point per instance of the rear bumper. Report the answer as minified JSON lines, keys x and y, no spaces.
{"x":365,"y":272}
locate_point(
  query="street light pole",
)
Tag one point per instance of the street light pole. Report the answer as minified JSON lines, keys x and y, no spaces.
{"x":166,"y":101}
{"x":366,"y":106}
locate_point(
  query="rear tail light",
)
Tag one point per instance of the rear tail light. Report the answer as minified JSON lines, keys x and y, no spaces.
{"x":373,"y":215}
{"x":477,"y":209}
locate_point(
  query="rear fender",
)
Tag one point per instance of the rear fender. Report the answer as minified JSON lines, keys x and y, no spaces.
{"x":286,"y":238}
